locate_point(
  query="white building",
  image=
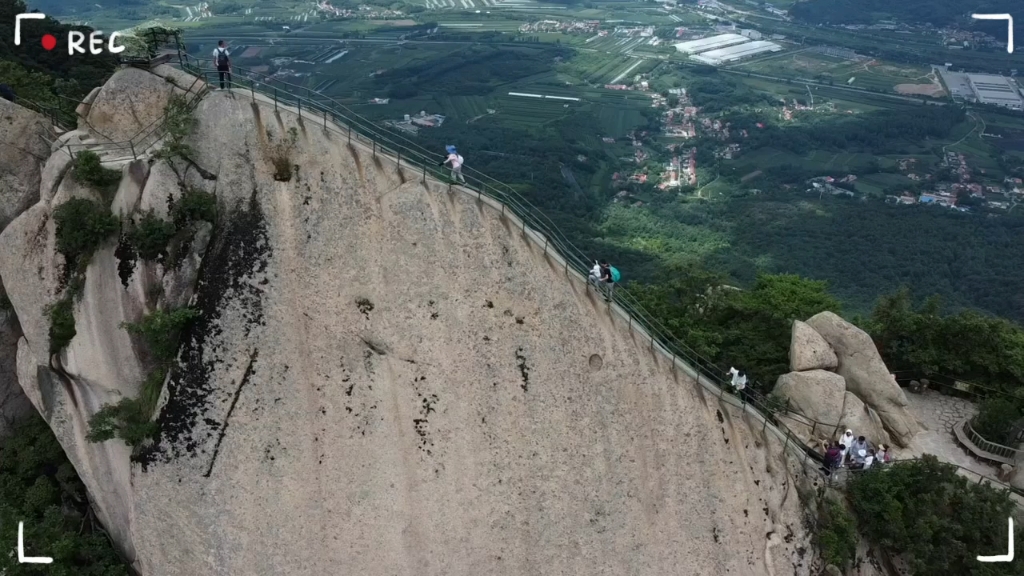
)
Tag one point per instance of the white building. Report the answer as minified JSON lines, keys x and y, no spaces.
{"x":732,"y":53}
{"x":711,"y":43}
{"x":998,"y":90}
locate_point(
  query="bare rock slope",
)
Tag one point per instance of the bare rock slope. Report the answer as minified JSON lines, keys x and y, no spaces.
{"x":389,"y":378}
{"x":24,"y":148}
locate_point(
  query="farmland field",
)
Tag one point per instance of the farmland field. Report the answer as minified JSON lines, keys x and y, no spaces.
{"x":866,"y":73}
{"x":617,"y":121}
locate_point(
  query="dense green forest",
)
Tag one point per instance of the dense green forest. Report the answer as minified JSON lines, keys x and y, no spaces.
{"x":38,"y":486}
{"x":934,"y":518}
{"x":936,"y":12}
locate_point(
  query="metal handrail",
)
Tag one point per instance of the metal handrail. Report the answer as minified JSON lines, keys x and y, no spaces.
{"x":56,"y":114}
{"x":534,"y":225}
{"x":988,"y":446}
{"x":292,"y":94}
{"x":146,"y":137}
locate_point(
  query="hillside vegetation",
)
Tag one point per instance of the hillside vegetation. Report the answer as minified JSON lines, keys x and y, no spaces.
{"x":936,"y":12}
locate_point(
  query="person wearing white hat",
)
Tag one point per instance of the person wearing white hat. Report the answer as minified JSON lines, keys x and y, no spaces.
{"x":847,"y":443}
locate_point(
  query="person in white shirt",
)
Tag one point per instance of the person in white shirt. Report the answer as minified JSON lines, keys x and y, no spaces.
{"x":222,"y":61}
{"x":456,"y":161}
{"x":595,"y":275}
{"x":869,"y":459}
{"x":738,"y":382}
{"x":847,"y":442}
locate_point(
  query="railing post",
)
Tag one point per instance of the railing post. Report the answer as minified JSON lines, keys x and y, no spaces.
{"x":275,"y":98}
{"x":252,"y":89}
{"x":398,"y":163}
{"x":424,"y":173}
{"x":546,"y":248}
{"x":374,"y":142}
{"x":132,"y":145}
{"x":325,"y":119}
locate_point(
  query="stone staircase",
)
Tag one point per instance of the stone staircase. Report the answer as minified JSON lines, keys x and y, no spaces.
{"x":115,"y":155}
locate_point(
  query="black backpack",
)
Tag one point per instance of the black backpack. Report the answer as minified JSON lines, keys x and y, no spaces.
{"x":222,"y":57}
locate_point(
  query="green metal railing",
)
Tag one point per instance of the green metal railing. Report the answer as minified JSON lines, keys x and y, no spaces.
{"x":979,"y":441}
{"x":146,"y":137}
{"x":61,"y":113}
{"x":318,"y":109}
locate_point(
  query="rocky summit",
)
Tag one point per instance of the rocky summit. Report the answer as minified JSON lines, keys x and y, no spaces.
{"x":387,"y":376}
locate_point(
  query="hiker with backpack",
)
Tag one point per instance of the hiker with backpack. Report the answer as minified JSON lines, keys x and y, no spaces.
{"x":832,"y":456}
{"x":222,"y":60}
{"x":456,"y":161}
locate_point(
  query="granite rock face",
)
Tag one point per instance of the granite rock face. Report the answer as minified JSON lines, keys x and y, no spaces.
{"x":818,"y":395}
{"x":866,"y":375}
{"x":809,"y":351}
{"x":387,"y":376}
{"x":24,"y":148}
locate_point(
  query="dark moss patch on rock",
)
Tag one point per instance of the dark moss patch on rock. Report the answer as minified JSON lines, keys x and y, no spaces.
{"x":239,"y":250}
{"x":126,"y":256}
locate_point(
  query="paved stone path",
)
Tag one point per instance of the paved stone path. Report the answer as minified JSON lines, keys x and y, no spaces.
{"x":939,"y":413}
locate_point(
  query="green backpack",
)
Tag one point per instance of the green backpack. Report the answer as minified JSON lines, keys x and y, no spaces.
{"x":615,"y":274}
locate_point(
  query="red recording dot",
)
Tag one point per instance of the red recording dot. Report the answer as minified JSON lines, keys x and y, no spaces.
{"x":49,"y":42}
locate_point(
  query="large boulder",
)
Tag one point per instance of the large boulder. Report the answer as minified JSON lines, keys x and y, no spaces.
{"x":818,"y":396}
{"x":30,"y":267}
{"x":24,"y":147}
{"x":863,"y":420}
{"x":866,"y":375}
{"x":132,"y":101}
{"x":809,"y":351}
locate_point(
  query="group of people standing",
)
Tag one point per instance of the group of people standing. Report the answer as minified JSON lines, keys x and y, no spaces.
{"x":604,"y":275}
{"x":856,"y":453}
